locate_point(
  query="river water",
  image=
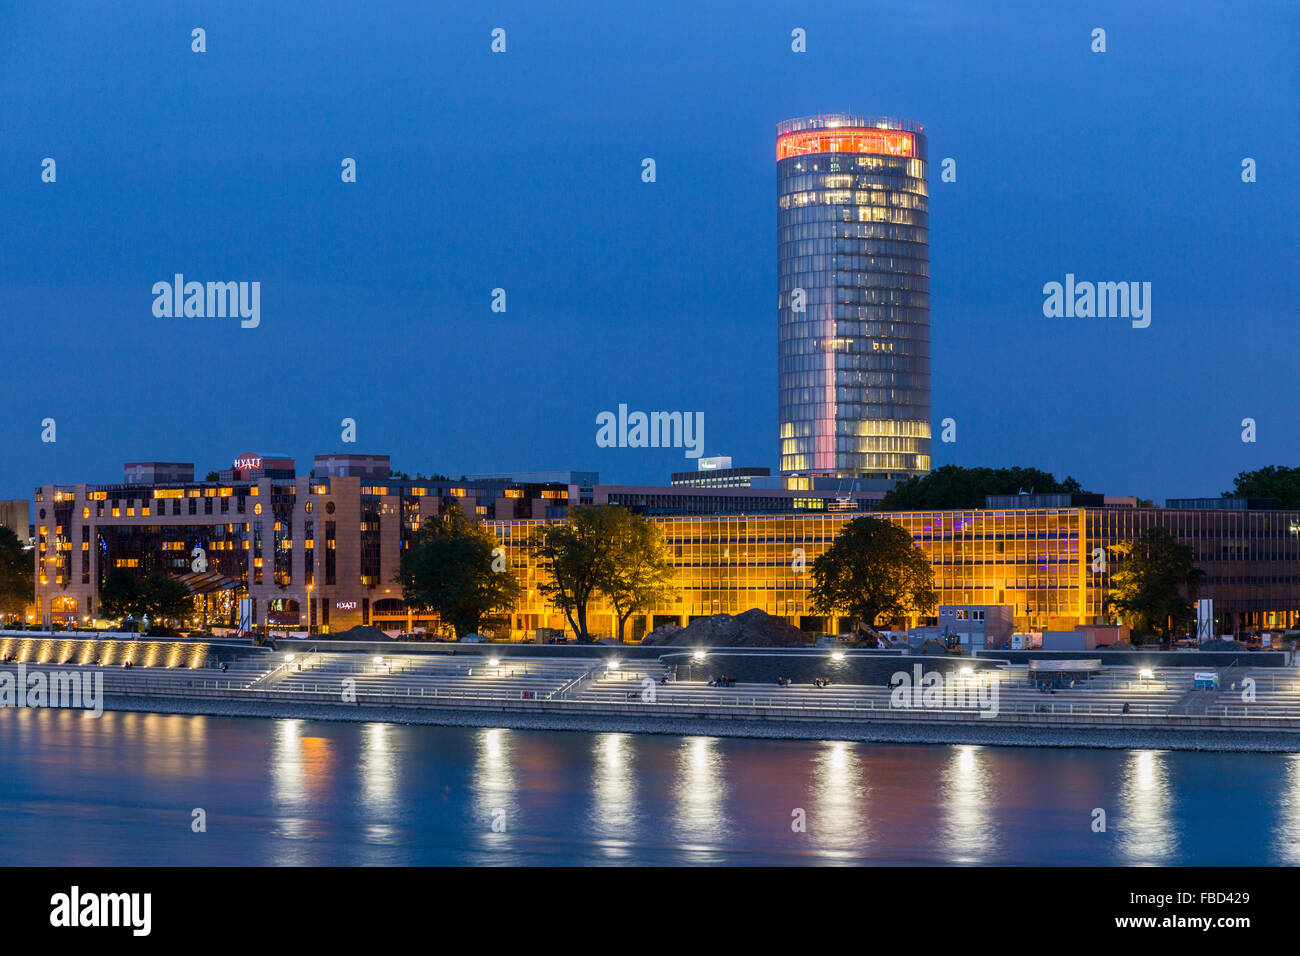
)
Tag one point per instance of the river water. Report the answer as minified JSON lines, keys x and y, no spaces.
{"x":124,"y":788}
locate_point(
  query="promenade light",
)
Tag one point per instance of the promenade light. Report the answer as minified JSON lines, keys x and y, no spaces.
{"x":837,"y":655}
{"x":967,"y":671}
{"x":289,"y":657}
{"x":379,"y":659}
{"x":494,"y":661}
{"x":613,"y":665}
{"x":698,"y":655}
{"x":1146,"y":673}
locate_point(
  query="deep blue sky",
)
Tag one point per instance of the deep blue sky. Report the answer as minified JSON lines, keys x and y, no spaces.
{"x":522,"y":171}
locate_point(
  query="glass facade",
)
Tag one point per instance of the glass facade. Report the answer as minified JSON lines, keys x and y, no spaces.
{"x":1042,"y":563}
{"x":853,"y":292}
{"x":1030,"y":560}
{"x":1251,"y":559}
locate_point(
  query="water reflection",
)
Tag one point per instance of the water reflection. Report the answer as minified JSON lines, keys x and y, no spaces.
{"x":302,"y":777}
{"x":379,"y":781}
{"x":966,"y":802}
{"x":839,"y":823}
{"x":614,"y":792}
{"x":700,"y":792}
{"x":495,"y":803}
{"x":1287,"y":833}
{"x":1146,"y":830}
{"x":117,"y":791}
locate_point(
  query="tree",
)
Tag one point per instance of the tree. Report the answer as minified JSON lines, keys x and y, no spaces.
{"x":17,"y":588}
{"x":158,"y":594}
{"x":213,"y":476}
{"x":575,"y":557}
{"x":872,"y":569}
{"x":453,"y":568}
{"x":637,"y":571}
{"x":163,"y":597}
{"x":1274,"y":481}
{"x":1155,"y":584}
{"x":119,"y":595}
{"x":953,"y":487}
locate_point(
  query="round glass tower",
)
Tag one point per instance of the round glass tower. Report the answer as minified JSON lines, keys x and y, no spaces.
{"x":853,"y":256}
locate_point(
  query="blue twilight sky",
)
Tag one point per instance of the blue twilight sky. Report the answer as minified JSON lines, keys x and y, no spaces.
{"x":479,"y":170}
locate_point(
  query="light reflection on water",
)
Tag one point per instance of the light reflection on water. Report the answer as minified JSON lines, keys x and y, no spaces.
{"x":968,"y":803}
{"x":1287,"y":832}
{"x":701,"y":789}
{"x":120,"y":790}
{"x":614,"y":793}
{"x":839,"y":798}
{"x":495,"y":795}
{"x":380,"y":782}
{"x":1147,"y":835}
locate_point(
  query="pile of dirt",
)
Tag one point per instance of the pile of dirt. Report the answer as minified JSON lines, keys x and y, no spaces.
{"x":362,"y":632}
{"x":754,"y":628}
{"x":932,"y":648}
{"x":1218,"y":644}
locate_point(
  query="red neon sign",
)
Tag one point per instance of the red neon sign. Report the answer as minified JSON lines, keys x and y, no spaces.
{"x":883,"y":142}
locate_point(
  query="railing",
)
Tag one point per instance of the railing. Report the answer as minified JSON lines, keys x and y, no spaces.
{"x":1059,"y":715}
{"x":840,"y":709}
{"x":836,"y":705}
{"x":562,"y":692}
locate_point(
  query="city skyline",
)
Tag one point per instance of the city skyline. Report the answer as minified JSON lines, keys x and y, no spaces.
{"x":692,"y":435}
{"x":374,"y":308}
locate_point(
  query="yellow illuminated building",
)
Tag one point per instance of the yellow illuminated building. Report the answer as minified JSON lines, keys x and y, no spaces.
{"x":1031,"y":560}
{"x":1051,"y":566}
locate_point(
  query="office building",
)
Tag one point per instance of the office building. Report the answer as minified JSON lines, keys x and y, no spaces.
{"x":853,"y":297}
{"x":1040,"y":562}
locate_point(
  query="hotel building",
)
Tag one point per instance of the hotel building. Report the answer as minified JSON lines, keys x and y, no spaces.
{"x":853,"y":294}
{"x":322,"y":547}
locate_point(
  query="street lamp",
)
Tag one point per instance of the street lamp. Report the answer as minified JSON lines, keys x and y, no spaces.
{"x":309,"y":587}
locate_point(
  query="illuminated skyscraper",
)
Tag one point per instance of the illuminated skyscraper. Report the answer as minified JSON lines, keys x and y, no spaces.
{"x":853,"y":257}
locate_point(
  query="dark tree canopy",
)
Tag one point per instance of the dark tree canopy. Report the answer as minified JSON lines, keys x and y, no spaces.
{"x":157,"y":594}
{"x":575,"y":555}
{"x":1274,"y":481}
{"x":873,"y":570}
{"x":1154,"y":587}
{"x":119,"y":593}
{"x":954,"y":487}
{"x":454,"y":568}
{"x":17,"y":589}
{"x":638,"y":571}
{"x":164,"y":597}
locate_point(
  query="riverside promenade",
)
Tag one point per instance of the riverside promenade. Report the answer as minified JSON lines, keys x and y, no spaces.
{"x":604,"y":689}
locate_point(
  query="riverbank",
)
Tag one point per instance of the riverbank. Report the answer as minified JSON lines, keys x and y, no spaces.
{"x":983,"y":733}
